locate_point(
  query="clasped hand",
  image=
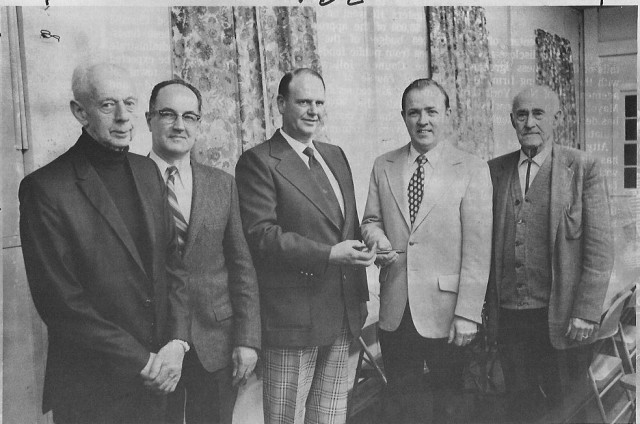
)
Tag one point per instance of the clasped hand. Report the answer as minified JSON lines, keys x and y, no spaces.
{"x":163,"y":370}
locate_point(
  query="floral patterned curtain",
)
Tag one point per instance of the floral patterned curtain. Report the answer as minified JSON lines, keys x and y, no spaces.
{"x":460,"y":61}
{"x":554,"y":68}
{"x":236,"y":57}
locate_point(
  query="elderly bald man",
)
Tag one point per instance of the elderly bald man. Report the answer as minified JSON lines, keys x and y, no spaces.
{"x":552,"y":258}
{"x":103,"y":265}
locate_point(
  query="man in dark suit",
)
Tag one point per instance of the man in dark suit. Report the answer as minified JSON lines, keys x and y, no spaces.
{"x":552,"y":258}
{"x":103,"y":265}
{"x":299,"y":215}
{"x":223,"y":291}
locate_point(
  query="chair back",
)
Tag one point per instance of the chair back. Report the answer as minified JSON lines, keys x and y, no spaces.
{"x":611,"y":318}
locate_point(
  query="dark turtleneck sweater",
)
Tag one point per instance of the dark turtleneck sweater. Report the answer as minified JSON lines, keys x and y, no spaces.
{"x":115,"y":172}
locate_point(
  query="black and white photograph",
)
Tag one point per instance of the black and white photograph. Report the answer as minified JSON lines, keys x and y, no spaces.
{"x":319,"y":212}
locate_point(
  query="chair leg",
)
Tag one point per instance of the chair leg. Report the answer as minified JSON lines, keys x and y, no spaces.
{"x":594,"y":386}
{"x":372,"y":361}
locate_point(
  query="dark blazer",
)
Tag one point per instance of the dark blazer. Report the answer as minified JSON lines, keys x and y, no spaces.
{"x":104,"y":313}
{"x":222,"y":284}
{"x":581,"y":244}
{"x":290,"y":234}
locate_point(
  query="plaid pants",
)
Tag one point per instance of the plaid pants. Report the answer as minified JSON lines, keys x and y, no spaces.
{"x":312,"y":379}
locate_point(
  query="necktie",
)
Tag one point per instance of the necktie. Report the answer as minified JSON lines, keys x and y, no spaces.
{"x":181,"y":223}
{"x":526,"y":183}
{"x":325,"y":186}
{"x":416,"y":188}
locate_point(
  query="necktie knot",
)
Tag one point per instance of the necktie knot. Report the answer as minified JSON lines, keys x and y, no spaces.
{"x":422,"y":159}
{"x":171,"y":172}
{"x":309,"y":152}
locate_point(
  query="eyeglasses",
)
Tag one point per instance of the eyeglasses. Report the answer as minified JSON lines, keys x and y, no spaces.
{"x":168,"y":116}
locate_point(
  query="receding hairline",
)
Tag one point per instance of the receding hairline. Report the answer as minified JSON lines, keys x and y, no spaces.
{"x":543,"y":90}
{"x":82,"y":78}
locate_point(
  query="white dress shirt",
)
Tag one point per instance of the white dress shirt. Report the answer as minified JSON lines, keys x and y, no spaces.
{"x":183,"y":181}
{"x":432,"y":155}
{"x":536,"y":164}
{"x":299,"y":147}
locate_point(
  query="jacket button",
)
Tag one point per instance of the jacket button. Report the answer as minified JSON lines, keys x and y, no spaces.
{"x":517,"y":202}
{"x":411,"y":243}
{"x":148,"y":303}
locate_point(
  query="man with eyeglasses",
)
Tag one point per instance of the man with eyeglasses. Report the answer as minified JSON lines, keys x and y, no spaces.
{"x":299,"y":214}
{"x":222,"y":286}
{"x":103,"y":265}
{"x":552,"y":259}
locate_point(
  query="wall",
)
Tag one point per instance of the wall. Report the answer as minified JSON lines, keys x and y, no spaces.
{"x":611,"y":47}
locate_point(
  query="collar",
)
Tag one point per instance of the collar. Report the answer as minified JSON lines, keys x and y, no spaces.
{"x":538,"y":159}
{"x":433,"y":155}
{"x":183,"y":165}
{"x":296,"y":145}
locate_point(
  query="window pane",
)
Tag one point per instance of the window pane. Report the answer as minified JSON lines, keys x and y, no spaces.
{"x":630,"y":126}
{"x":630,"y":177}
{"x":630,"y":106}
{"x":630,"y":154}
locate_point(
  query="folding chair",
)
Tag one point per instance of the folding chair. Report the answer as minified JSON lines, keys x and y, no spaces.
{"x":627,"y":334}
{"x":605,"y":370}
{"x":366,"y":369}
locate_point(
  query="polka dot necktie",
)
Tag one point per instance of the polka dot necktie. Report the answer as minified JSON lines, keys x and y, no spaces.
{"x":181,"y":223}
{"x":416,"y":188}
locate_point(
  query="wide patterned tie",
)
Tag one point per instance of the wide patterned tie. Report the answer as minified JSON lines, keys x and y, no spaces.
{"x":181,"y":223}
{"x":416,"y":188}
{"x":325,"y":186}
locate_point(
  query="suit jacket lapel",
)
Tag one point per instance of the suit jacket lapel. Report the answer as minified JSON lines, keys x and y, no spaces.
{"x":91,"y":185}
{"x":396,"y":168}
{"x":204,"y":202}
{"x":561,"y":177}
{"x":296,"y":172}
{"x":443,"y":172}
{"x":340,"y":170}
{"x":147,"y":212}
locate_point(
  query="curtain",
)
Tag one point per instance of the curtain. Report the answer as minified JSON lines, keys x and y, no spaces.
{"x":554,"y":68}
{"x":460,"y":61}
{"x":236,"y":56}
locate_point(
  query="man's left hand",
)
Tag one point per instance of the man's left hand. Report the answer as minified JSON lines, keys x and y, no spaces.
{"x":579,"y":329}
{"x":166,"y":368}
{"x":462,"y":331}
{"x":244,"y":361}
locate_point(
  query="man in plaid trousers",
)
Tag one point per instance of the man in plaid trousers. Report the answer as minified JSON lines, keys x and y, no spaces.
{"x":299,"y":217}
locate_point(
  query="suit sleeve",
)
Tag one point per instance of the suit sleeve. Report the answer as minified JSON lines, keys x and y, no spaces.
{"x":476,"y":216}
{"x":598,"y":250}
{"x":372,"y":227}
{"x":59,"y":297}
{"x":243,"y":285}
{"x":267,"y":240}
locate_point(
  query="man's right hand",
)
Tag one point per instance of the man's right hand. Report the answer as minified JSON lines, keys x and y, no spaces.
{"x":388,"y":258}
{"x":351,"y":252}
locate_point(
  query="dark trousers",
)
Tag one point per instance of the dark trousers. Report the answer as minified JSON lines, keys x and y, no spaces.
{"x":138,"y":407}
{"x":210,"y":396}
{"x":538,"y":378}
{"x":404,"y":354}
